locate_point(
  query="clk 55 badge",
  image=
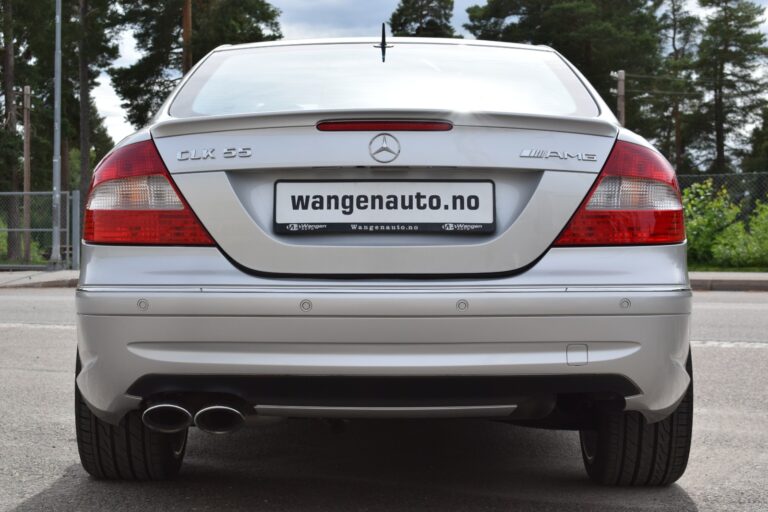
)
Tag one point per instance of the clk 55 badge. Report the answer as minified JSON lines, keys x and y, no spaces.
{"x":209,"y":154}
{"x":196,"y":154}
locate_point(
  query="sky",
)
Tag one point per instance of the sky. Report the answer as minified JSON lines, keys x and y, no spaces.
{"x":299,"y":19}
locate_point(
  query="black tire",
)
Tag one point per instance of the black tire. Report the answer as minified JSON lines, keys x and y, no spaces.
{"x":626,"y":450}
{"x":128,"y":451}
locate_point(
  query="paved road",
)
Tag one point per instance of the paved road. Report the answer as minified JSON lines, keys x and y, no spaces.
{"x":379,"y":465}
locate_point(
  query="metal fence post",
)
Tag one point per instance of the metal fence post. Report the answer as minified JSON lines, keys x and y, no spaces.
{"x":75,"y":238}
{"x":55,"y":261}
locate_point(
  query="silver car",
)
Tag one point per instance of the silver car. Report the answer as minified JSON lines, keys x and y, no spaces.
{"x":382,"y":229}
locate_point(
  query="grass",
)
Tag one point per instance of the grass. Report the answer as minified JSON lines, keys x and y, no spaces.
{"x":699,"y":267}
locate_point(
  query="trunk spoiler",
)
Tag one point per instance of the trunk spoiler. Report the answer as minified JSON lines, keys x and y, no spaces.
{"x":306,"y":118}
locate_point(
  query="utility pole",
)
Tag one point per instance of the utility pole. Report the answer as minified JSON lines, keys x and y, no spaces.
{"x":9,"y":124}
{"x":27,"y":175}
{"x":85,"y":104}
{"x":678,"y":138}
{"x":620,"y":98}
{"x":186,"y":36}
{"x":55,"y":260}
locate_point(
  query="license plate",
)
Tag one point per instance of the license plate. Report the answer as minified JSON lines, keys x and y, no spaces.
{"x":385,"y":206}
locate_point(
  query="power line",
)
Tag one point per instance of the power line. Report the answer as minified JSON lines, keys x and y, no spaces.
{"x":670,"y":77}
{"x":666,"y":93}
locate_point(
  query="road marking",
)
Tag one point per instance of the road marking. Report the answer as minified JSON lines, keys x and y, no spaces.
{"x":21,"y":325}
{"x":43,"y":370}
{"x":730,"y":344}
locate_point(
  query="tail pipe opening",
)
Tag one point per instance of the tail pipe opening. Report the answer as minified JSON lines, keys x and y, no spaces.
{"x":219,"y":419}
{"x":167,"y":418}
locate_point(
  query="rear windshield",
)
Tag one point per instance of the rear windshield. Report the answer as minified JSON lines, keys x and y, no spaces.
{"x":352,"y":76}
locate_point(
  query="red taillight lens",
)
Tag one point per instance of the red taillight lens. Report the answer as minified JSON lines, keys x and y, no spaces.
{"x":133,"y":201}
{"x":635,"y":201}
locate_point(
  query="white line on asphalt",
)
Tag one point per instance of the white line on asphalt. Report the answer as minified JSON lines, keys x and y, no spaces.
{"x":730,"y":344}
{"x":21,"y":325}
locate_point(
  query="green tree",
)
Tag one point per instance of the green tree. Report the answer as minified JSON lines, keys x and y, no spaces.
{"x":96,"y":50}
{"x":29,"y":36}
{"x":756,"y":159}
{"x":731,"y":52}
{"x":423,"y":18}
{"x":156,"y":26}
{"x":598,"y":36}
{"x":9,"y":144}
{"x":673,"y":98}
{"x":35,"y":33}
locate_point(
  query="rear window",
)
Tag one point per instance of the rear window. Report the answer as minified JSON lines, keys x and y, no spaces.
{"x":352,"y":76}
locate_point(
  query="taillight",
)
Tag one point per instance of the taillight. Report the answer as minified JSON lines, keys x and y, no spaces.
{"x":635,"y":201}
{"x":133,"y":201}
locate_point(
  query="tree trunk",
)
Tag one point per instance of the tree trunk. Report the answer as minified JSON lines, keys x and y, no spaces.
{"x":186,"y":36}
{"x":14,"y":245}
{"x":85,"y":107}
{"x":65,"y":186}
{"x":678,"y":137}
{"x":720,"y":162}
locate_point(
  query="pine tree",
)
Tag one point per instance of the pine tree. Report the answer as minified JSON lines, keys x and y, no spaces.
{"x":96,"y":49}
{"x":756,"y":159}
{"x":157,"y":28}
{"x":28,"y":36}
{"x":598,"y":36}
{"x":423,"y":18}
{"x":674,"y":99}
{"x":34,"y":35}
{"x":731,"y":52}
{"x":9,"y":144}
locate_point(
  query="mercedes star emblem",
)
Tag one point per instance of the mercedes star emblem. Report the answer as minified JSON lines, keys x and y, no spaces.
{"x":384,"y":148}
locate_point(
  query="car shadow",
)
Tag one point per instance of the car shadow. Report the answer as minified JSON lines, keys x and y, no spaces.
{"x":368,"y":465}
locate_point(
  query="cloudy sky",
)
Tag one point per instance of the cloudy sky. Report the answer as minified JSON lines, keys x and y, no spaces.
{"x":299,"y":19}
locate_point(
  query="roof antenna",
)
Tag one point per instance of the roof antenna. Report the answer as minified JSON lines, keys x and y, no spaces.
{"x":383,"y":45}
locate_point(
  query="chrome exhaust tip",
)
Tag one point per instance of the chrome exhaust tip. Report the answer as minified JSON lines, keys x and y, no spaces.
{"x":219,"y":419}
{"x":166,"y":418}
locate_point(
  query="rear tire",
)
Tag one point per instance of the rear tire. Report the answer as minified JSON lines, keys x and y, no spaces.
{"x":128,"y":451}
{"x":626,"y":450}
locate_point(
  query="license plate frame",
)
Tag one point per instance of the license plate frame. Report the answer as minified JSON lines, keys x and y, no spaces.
{"x":480,"y":223}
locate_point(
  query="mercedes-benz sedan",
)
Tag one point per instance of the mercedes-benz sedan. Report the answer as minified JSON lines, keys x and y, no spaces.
{"x":419,"y":228}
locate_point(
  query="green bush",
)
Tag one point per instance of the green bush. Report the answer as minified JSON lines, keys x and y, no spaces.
{"x":716,"y":236}
{"x":735,"y":248}
{"x":758,"y":228}
{"x":744,"y":245}
{"x":36,"y":251}
{"x":707,"y":215}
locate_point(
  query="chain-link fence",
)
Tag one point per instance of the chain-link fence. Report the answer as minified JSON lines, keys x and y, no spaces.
{"x":26,"y":230}
{"x":744,"y":189}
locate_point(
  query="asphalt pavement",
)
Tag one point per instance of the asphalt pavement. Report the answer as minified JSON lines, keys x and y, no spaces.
{"x":381,"y":465}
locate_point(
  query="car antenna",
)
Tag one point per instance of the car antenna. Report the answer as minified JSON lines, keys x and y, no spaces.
{"x":383,"y":45}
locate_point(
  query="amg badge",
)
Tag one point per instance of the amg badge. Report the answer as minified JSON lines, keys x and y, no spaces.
{"x":562,"y":155}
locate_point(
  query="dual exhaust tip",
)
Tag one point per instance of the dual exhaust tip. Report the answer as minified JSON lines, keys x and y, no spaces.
{"x":169,"y":418}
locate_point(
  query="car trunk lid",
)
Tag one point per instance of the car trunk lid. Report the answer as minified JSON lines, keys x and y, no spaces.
{"x":540,"y":168}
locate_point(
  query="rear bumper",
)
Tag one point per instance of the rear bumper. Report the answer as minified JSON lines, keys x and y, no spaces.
{"x":417,"y":331}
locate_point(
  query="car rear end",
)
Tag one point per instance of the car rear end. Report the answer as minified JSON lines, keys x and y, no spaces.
{"x":460,"y":231}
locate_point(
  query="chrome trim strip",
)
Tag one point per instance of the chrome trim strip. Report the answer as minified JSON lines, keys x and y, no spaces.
{"x":367,"y":289}
{"x":314,"y":411}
